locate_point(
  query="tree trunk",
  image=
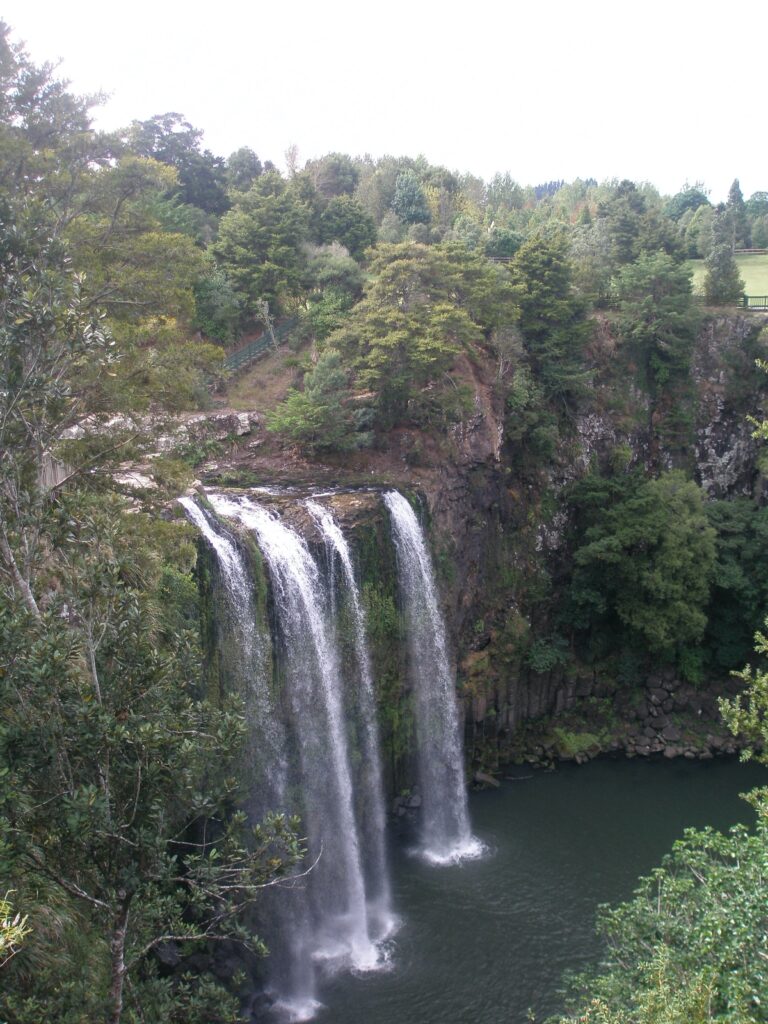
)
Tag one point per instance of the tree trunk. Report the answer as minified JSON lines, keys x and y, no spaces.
{"x":117,"y":951}
{"x":19,"y":582}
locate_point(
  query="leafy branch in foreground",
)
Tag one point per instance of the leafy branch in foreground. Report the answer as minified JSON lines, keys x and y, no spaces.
{"x":119,"y":778}
{"x":13,"y":930}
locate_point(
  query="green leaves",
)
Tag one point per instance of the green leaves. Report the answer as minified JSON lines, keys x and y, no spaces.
{"x":553,"y":318}
{"x":657,"y":318}
{"x":259,"y":243}
{"x":118,"y":776}
{"x":643,"y":562}
{"x":13,"y":930}
{"x":320,"y":417}
{"x":691,"y":945}
{"x":422,"y":306}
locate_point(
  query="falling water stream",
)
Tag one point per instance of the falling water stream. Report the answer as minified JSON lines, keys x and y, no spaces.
{"x":371,"y":795}
{"x":336,"y":929}
{"x":314,"y":736}
{"x":247,"y":649}
{"x":446,"y":836}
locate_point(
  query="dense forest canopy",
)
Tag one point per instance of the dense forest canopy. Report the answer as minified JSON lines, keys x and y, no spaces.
{"x":130,"y":262}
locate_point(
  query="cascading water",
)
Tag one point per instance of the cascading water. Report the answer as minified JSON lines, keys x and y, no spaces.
{"x":446,"y":835}
{"x":370,"y":790}
{"x":336,"y":927}
{"x":246,"y":657}
{"x":247,"y":651}
{"x":314,"y":745}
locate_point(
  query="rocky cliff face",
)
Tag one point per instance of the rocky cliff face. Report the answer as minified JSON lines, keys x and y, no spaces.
{"x":498,"y":533}
{"x":498,"y":521}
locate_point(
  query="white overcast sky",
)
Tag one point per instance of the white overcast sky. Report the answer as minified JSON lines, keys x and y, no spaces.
{"x":665,"y":92}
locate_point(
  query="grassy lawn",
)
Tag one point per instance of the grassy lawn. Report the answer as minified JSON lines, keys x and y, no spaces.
{"x":753,"y":270}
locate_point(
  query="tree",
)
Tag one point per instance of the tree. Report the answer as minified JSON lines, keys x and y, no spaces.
{"x":503,"y":242}
{"x":421,"y":306}
{"x":591,"y":258}
{"x":136,"y":270}
{"x":320,"y":418}
{"x":689,"y":947}
{"x":691,"y":197}
{"x":756,"y":209}
{"x":552,"y":318}
{"x":46,"y":135}
{"x":259,"y":243}
{"x":503,"y":195}
{"x":623,"y":211}
{"x":739,"y":597}
{"x":333,"y":175}
{"x":243,"y":168}
{"x":658,"y":319}
{"x":13,"y":930}
{"x":643,"y":562}
{"x":636,"y":223}
{"x":736,"y":216}
{"x":409,"y":201}
{"x":118,"y":774}
{"x":377,"y":184}
{"x":722,"y":282}
{"x":698,"y":232}
{"x":747,"y":714}
{"x":171,"y":140}
{"x":330,"y":268}
{"x":116,"y":804}
{"x":217,"y":308}
{"x":760,"y":232}
{"x":345,"y":221}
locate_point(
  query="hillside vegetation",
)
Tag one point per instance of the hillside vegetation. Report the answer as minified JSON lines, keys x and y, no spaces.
{"x":450,"y":331}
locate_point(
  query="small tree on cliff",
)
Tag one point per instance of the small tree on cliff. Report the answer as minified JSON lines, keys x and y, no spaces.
{"x":320,"y":417}
{"x":722,"y":283}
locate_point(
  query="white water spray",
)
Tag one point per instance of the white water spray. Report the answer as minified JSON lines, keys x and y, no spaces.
{"x":446,"y":836}
{"x":382,"y":921}
{"x":336,"y":893}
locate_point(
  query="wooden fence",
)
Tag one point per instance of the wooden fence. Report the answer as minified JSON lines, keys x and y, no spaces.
{"x":245,"y":354}
{"x":52,"y":473}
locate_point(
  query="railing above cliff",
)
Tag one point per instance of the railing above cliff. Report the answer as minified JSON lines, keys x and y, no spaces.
{"x":755,"y":301}
{"x":246,"y":352}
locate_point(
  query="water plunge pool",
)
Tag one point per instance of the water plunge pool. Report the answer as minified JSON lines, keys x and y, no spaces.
{"x":483,"y":942}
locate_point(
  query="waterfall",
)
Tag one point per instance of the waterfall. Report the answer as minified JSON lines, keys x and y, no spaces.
{"x":339,"y":927}
{"x":246,"y":655}
{"x":313,"y":736}
{"x":370,"y":789}
{"x":246,"y":652}
{"x":446,"y":836}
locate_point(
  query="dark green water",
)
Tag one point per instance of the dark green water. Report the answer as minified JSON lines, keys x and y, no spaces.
{"x":483,"y":942}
